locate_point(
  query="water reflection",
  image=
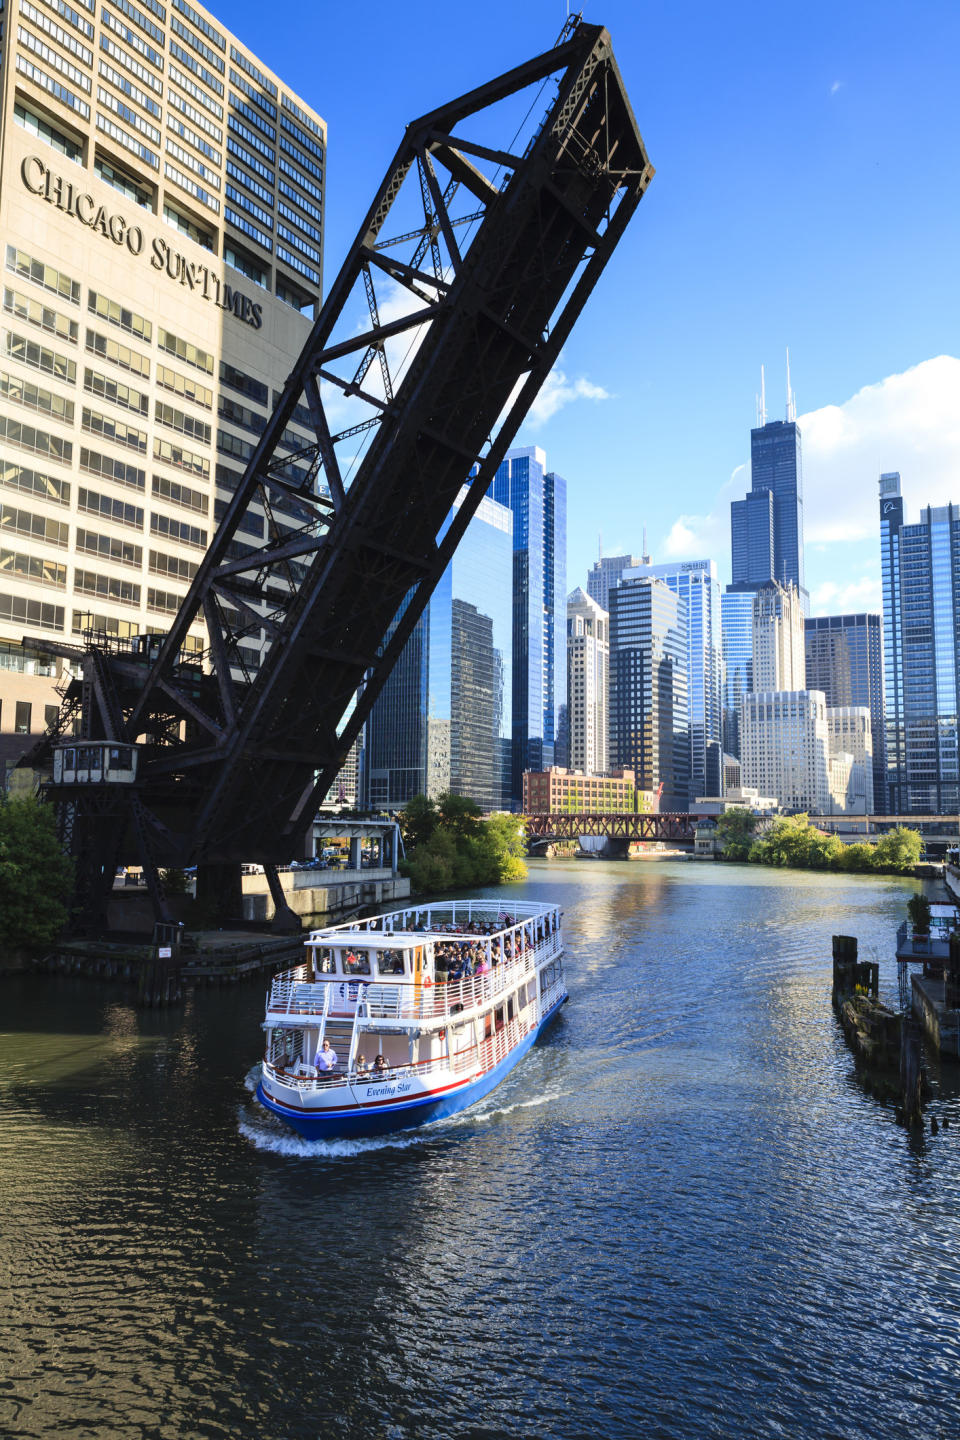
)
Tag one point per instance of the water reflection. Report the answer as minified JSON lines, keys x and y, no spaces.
{"x":680,"y":1216}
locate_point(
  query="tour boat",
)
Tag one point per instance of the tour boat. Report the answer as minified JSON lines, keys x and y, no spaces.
{"x":408,"y":1017}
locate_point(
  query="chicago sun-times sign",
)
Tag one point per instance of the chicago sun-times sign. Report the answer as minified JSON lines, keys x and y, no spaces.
{"x":56,"y":190}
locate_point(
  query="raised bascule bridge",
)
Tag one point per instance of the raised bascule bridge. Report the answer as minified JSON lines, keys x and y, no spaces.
{"x":469,"y":269}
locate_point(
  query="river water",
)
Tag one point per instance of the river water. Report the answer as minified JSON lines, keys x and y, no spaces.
{"x":681,"y":1216}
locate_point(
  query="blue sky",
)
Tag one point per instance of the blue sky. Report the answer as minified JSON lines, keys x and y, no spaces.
{"x":806,"y":195}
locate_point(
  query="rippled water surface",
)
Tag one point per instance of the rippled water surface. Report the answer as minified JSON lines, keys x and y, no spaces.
{"x":681,"y":1216}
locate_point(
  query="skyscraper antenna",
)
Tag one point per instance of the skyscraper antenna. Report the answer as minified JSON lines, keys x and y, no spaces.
{"x":791,"y":398}
{"x":763,"y":398}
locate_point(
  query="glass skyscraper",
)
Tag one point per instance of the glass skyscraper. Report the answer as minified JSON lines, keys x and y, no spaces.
{"x":921,"y":615}
{"x":844,"y":655}
{"x":649,"y":718}
{"x":766,"y":528}
{"x":736,"y":608}
{"x":697,"y":583}
{"x":443,"y":719}
{"x":538,"y":501}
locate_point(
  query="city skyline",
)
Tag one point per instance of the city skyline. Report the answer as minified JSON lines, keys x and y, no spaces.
{"x":653,"y":399}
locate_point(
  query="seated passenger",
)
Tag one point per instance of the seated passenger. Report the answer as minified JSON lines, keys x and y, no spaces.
{"x":379,"y":1065}
{"x":326,"y":1056}
{"x":362,"y":1067}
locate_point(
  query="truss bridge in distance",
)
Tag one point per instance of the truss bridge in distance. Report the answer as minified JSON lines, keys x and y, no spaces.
{"x":674,"y":826}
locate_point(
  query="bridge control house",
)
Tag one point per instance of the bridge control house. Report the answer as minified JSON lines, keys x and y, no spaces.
{"x":161,"y":244}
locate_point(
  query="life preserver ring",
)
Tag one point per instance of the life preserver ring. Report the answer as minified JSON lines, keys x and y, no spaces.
{"x":427,"y":982}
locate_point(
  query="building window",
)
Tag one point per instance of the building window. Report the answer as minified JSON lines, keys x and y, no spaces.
{"x":117,"y":180}
{"x":55,"y":281}
{"x":246,"y":264}
{"x":43,"y":130}
{"x":24,"y":717}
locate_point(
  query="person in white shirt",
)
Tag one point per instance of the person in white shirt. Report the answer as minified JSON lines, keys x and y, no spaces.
{"x":326,"y":1056}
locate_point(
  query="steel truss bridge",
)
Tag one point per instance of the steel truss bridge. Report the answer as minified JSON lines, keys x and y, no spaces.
{"x":677,"y":826}
{"x":463,"y":283}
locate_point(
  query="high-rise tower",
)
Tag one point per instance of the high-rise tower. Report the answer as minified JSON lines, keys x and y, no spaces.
{"x":921,"y":615}
{"x":767,"y":526}
{"x":538,"y":499}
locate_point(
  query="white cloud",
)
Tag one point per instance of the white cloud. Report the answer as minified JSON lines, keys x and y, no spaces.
{"x":908,"y":422}
{"x":829,"y":598}
{"x":557,"y":391}
{"x":706,"y":536}
{"x":837,"y":85}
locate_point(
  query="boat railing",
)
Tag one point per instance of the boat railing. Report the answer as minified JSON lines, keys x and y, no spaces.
{"x":492,"y":1050}
{"x":455,"y":912}
{"x":291,"y":994}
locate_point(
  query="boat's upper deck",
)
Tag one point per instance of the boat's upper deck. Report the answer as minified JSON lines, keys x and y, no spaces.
{"x":424,"y":962}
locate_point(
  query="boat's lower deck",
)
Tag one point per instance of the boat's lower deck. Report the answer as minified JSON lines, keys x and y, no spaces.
{"x":357,"y":1105}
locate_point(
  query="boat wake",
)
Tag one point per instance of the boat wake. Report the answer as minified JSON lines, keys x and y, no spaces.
{"x":280,"y":1141}
{"x":271,"y":1136}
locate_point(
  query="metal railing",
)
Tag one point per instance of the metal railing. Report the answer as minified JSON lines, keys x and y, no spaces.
{"x":292,"y":994}
{"x":492,"y":1050}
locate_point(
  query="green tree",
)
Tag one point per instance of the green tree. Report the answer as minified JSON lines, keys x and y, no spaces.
{"x":418,"y":821}
{"x":35,"y":875}
{"x":856,"y":858}
{"x":898,"y":851}
{"x":451,"y":847}
{"x":736,"y":831}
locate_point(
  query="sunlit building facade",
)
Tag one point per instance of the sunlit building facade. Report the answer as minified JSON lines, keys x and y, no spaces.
{"x":161,"y":244}
{"x":588,"y":684}
{"x":698,"y":585}
{"x":649,"y":716}
{"x":537,"y":499}
{"x":921,"y":618}
{"x":844,"y":659}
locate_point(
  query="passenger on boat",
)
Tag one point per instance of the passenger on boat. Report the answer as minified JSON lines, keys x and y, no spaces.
{"x":379,"y":1065}
{"x":326,"y":1056}
{"x":362,"y":1067}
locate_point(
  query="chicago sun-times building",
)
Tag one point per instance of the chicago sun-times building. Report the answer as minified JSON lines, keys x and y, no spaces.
{"x":161,"y":244}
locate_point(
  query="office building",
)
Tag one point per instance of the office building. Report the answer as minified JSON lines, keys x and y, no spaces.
{"x":850,"y":740}
{"x":766,"y":528}
{"x":649,"y":718}
{"x":785,"y":748}
{"x":606,"y":573}
{"x":442,"y":721}
{"x":559,"y":791}
{"x":751,"y":536}
{"x":698,"y":585}
{"x":161,"y":236}
{"x":736,"y":613}
{"x":588,"y":684}
{"x":779,"y":657}
{"x":844,"y":659}
{"x":921,"y":620}
{"x":537,"y":499}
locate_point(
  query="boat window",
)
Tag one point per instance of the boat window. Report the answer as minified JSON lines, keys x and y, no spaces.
{"x":69,"y":759}
{"x":498,"y":1017}
{"x":356,"y":962}
{"x":510,"y":1008}
{"x":389,"y":962}
{"x":323,"y":961}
